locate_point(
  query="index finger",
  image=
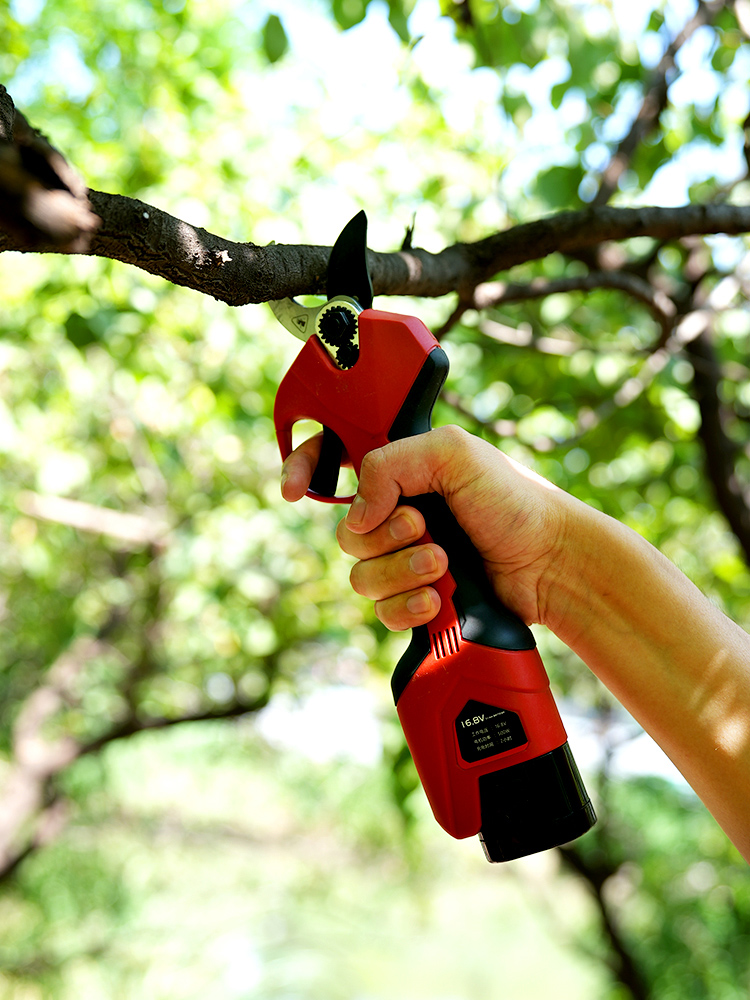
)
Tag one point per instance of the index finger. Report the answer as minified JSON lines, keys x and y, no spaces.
{"x":298,"y":468}
{"x":403,"y":527}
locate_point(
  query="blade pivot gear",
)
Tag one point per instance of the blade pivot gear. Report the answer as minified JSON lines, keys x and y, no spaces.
{"x":336,"y":325}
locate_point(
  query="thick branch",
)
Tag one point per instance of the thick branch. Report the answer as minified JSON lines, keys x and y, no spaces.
{"x":46,"y":208}
{"x":240,"y":273}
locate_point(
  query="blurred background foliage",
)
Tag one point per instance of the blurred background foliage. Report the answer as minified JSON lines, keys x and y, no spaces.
{"x":205,"y":792}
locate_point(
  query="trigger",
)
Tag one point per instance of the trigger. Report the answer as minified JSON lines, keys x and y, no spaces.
{"x":326,"y":476}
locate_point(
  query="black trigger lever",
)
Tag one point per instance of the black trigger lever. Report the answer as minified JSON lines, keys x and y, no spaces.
{"x":326,"y":476}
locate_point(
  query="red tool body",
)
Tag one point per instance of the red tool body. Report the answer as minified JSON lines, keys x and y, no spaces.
{"x":471,"y":691}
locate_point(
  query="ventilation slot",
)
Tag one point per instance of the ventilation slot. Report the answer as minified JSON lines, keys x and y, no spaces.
{"x":445,"y":643}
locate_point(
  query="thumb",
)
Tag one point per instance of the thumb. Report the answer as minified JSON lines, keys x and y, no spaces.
{"x":408,"y":467}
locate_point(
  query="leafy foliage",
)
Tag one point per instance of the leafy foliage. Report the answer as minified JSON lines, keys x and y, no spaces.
{"x":208,"y":596}
{"x":668,"y":858}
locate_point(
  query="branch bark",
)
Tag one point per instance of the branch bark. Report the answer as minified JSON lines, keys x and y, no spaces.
{"x":242,"y":273}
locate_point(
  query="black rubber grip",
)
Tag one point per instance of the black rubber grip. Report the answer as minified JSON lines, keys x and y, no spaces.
{"x":482,"y":617}
{"x":325,"y":478}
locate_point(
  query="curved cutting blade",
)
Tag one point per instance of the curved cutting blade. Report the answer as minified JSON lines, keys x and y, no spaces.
{"x":348,"y":274}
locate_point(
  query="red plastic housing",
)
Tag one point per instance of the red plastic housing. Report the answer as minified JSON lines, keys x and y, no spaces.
{"x":435,"y":697}
{"x":360,"y":404}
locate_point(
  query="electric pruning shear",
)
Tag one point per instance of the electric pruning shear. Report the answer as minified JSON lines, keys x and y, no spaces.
{"x":471,"y":691}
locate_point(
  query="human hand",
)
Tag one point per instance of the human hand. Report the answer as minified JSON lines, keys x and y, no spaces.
{"x":513,"y":517}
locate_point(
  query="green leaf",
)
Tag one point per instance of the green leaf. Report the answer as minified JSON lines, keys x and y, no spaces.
{"x":398,"y":14}
{"x":79,"y":331}
{"x":349,"y":12}
{"x":275,"y":41}
{"x":558,"y":186}
{"x":655,"y":21}
{"x":558,"y":92}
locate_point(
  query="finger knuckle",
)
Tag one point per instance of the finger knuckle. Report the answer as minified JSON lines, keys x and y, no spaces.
{"x":358,"y":580}
{"x":342,"y":536}
{"x":388,"y":613}
{"x":453,"y":436}
{"x":373,"y":462}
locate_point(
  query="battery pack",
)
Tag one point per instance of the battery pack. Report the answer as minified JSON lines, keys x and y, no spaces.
{"x":533,"y":806}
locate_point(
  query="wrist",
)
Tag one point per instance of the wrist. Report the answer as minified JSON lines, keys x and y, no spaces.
{"x":589,"y":548}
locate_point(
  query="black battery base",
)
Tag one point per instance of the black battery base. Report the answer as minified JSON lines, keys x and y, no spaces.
{"x":533,"y":806}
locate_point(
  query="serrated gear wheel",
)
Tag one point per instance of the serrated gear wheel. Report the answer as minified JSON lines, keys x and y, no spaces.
{"x":338,"y":329}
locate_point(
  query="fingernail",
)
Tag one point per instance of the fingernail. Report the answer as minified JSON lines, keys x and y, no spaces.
{"x":284,"y":478}
{"x":419,"y":604}
{"x":402,"y":528}
{"x":423,"y":561}
{"x":356,"y":512}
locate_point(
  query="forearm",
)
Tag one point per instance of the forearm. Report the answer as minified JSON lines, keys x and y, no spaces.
{"x":670,"y":657}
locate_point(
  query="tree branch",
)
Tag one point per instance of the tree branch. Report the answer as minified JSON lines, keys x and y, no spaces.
{"x":37,"y":759}
{"x":32,"y":814}
{"x":689,"y":327}
{"x":31,"y":810}
{"x":241,"y":273}
{"x":43,"y":199}
{"x":623,"y":961}
{"x":721,"y":453}
{"x":494,"y":294}
{"x":130,"y":529}
{"x":47,"y":209}
{"x":654,"y":102}
{"x":232,"y":710}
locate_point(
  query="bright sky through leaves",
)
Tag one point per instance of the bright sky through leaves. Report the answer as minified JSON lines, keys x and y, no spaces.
{"x":355,"y":81}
